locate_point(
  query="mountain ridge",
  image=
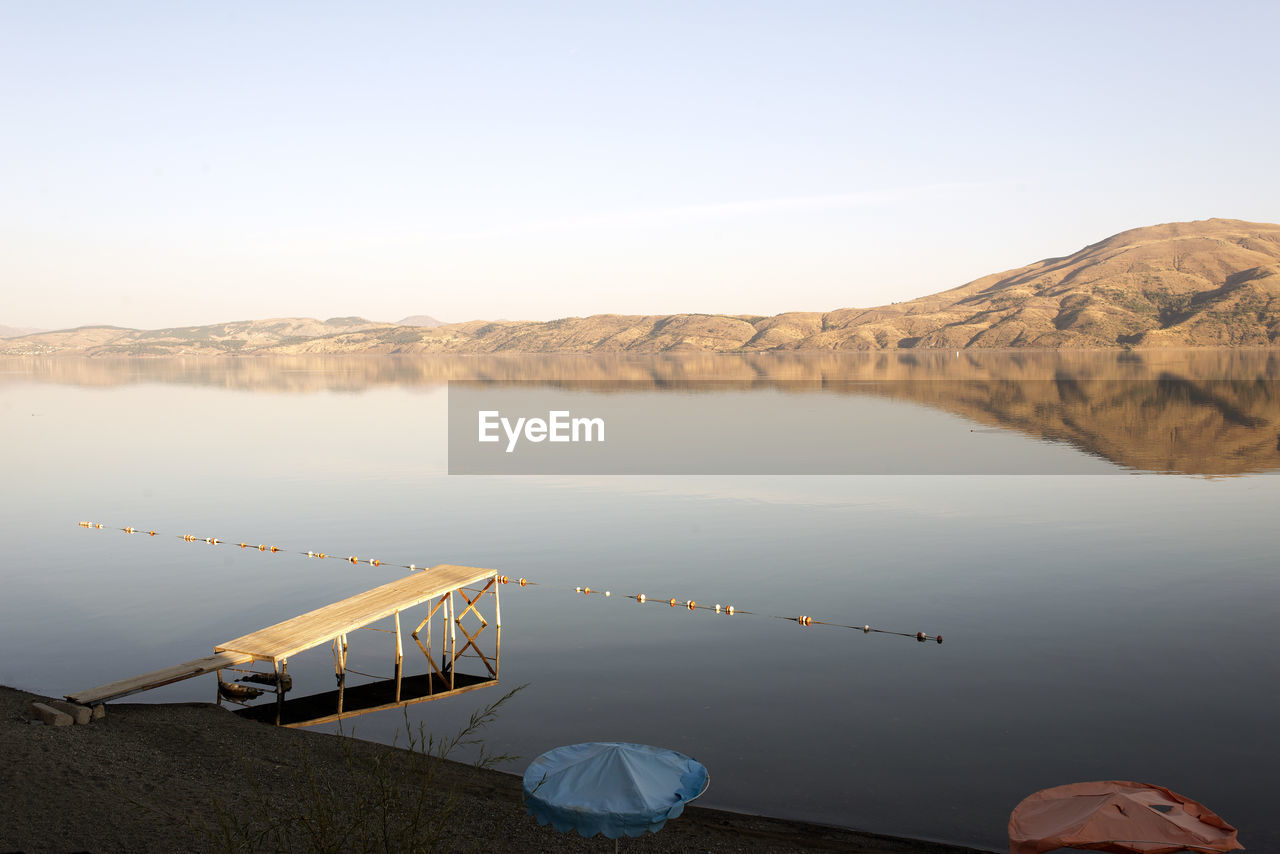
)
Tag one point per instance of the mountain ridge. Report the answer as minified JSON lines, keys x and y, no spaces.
{"x":1213,"y":283}
{"x":19,"y":331}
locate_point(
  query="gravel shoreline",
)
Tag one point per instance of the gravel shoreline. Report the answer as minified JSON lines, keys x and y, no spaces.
{"x":153,"y":778}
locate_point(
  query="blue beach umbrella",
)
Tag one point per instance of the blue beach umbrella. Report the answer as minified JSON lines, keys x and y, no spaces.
{"x":611,"y":787}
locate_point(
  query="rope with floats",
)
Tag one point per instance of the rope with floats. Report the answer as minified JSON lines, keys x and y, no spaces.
{"x":804,"y":620}
{"x":262,"y":547}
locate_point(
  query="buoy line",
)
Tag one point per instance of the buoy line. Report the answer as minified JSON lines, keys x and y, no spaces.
{"x":803,"y":620}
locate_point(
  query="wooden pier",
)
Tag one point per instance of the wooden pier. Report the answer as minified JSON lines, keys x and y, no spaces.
{"x":156,"y":678}
{"x":332,"y":624}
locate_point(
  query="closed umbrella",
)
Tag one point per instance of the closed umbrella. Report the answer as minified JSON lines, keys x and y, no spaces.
{"x":1117,"y":816}
{"x":614,"y":788}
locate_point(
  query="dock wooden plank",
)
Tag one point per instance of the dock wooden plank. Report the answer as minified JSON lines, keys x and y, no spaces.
{"x":156,"y":678}
{"x":324,"y":624}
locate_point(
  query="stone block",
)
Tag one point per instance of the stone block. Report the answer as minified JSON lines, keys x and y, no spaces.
{"x":79,"y":714}
{"x":50,"y":715}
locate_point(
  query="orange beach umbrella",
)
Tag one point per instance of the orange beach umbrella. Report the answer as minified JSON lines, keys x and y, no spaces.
{"x":1117,"y":816}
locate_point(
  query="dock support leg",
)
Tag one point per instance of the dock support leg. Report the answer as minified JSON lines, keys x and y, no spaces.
{"x":279,"y":691}
{"x":342,"y":663}
{"x":431,"y":684}
{"x":399,"y":657}
{"x":453,"y":641}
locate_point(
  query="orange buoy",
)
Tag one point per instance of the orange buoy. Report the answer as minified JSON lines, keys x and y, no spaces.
{"x":277,"y":548}
{"x":640,"y":598}
{"x":502,"y":579}
{"x":804,"y":621}
{"x":128,"y":530}
{"x":152,"y":533}
{"x":375,"y":562}
{"x":354,"y":559}
{"x":728,"y":609}
{"x":671,"y":602}
{"x":263,"y":548}
{"x":691,"y":604}
{"x":524,"y":582}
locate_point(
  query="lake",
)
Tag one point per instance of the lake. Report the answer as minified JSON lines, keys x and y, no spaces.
{"x":1107,"y":600}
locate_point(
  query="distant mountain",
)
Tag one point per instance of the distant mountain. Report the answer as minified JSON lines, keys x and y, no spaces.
{"x":17,"y":331}
{"x":1211,"y":283}
{"x":419,"y":320}
{"x":243,"y":336}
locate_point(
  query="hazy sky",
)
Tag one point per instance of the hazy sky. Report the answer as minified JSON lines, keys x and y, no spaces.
{"x":179,"y":163}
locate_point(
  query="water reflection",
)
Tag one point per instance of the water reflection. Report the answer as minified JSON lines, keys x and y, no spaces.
{"x":357,"y":373}
{"x":378,"y":696}
{"x":1203,"y":412}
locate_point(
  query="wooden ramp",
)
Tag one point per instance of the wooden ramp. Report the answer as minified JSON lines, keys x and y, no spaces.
{"x":279,"y":642}
{"x":276,"y":643}
{"x":156,"y":678}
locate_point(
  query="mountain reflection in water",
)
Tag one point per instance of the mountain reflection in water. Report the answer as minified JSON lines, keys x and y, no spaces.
{"x":1201,"y":412}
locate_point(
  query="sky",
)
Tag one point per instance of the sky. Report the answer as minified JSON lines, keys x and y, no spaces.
{"x":169,"y":164}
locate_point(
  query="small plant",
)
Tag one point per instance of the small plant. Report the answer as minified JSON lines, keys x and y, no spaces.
{"x":380,"y":801}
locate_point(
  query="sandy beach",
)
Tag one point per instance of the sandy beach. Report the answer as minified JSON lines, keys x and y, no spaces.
{"x":195,"y":777}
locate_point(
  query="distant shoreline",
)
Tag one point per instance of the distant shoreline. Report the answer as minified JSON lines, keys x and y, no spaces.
{"x":144,"y":778}
{"x":276,"y":355}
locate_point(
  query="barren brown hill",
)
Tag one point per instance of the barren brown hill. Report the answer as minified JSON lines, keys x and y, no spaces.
{"x":1210,"y":283}
{"x":419,"y":320}
{"x":241,"y":336}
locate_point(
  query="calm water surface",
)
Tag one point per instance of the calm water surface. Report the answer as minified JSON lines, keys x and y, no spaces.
{"x":1096,"y":627}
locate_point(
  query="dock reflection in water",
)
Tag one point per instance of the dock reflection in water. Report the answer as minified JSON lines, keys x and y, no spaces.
{"x":378,"y":696}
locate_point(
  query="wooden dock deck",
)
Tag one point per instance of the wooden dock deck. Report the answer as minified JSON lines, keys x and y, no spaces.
{"x":279,"y":642}
{"x":332,"y":623}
